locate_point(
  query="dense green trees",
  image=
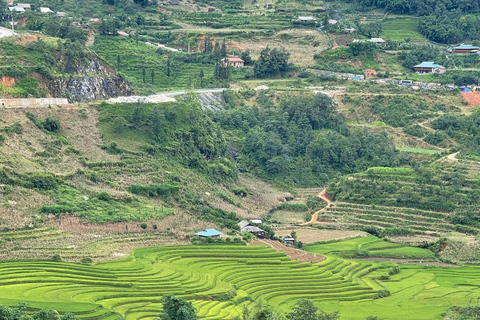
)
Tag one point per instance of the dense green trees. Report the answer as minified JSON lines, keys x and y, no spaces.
{"x":19,"y":313}
{"x":175,"y":308}
{"x":303,"y":140}
{"x":271,"y":62}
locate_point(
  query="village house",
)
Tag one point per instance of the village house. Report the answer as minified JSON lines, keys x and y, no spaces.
{"x":24,"y":5}
{"x":350,"y":30}
{"x":377,"y":41}
{"x":288,"y":239}
{"x":45,"y":10}
{"x":61,"y":15}
{"x":16,"y":9}
{"x":233,"y":62}
{"x":429,"y":67}
{"x":307,"y":19}
{"x":466,"y":48}
{"x":209,"y":233}
{"x":245,"y":226}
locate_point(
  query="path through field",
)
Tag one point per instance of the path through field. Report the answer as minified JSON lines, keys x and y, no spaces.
{"x":292,"y":253}
{"x":322,"y":196}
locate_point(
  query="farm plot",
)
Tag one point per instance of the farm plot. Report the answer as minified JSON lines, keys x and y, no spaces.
{"x":370,"y":246}
{"x":221,"y":279}
{"x":401,"y":29}
{"x":402,"y":201}
{"x":203,"y":274}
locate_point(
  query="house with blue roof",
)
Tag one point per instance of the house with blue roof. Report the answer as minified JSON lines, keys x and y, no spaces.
{"x":466,"y":48}
{"x":429,"y":67}
{"x":209,"y":233}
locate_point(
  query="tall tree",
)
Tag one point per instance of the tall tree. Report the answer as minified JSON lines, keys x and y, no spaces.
{"x":175,"y":308}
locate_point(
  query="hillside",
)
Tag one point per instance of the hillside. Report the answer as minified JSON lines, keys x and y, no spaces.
{"x":39,"y":66}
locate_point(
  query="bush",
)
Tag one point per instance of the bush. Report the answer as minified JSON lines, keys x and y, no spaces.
{"x":56,"y":209}
{"x":143,"y":226}
{"x":2,"y":139}
{"x":56,"y":258}
{"x":153,"y":190}
{"x":52,"y":125}
{"x":86,"y":260}
{"x":104,"y":196}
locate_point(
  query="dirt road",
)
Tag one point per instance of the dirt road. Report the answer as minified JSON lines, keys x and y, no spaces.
{"x":322,"y":196}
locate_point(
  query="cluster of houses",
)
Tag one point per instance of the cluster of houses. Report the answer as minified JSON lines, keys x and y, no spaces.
{"x":245,"y":226}
{"x":432,"y":67}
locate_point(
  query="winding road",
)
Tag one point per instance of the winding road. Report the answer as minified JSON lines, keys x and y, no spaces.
{"x":322,"y":196}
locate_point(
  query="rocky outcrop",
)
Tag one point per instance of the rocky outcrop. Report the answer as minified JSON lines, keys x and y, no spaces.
{"x":90,"y":88}
{"x":90,"y":79}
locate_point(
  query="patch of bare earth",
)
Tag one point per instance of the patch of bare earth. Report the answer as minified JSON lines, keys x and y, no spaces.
{"x":292,"y":253}
{"x":311,"y":235}
{"x":302,"y":44}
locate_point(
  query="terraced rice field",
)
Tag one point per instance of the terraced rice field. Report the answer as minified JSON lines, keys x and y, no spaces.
{"x":402,"y":198}
{"x":221,"y":279}
{"x":218,"y":279}
{"x":370,"y":246}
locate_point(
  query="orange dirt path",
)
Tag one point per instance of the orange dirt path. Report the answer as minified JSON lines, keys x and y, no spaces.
{"x":321,"y":195}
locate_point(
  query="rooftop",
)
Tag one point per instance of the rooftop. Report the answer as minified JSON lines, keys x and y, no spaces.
{"x":243,"y":224}
{"x":466,"y":47}
{"x":301,"y":18}
{"x":209,"y":233}
{"x":251,"y":229}
{"x":234,"y":60}
{"x":428,"y":64}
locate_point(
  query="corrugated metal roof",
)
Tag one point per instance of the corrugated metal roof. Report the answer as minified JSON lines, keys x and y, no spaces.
{"x":466,"y":47}
{"x":209,"y":233}
{"x":251,"y":229}
{"x":428,"y":64}
{"x":243,"y":224}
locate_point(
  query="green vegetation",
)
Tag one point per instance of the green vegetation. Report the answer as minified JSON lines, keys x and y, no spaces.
{"x":369,"y":246}
{"x":219,"y":280}
{"x":401,"y":29}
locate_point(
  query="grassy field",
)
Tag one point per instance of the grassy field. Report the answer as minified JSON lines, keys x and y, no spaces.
{"x":401,"y":29}
{"x":221,"y":279}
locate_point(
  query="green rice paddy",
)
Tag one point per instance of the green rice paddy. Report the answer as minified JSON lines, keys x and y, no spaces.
{"x":401,"y":29}
{"x":221,"y":279}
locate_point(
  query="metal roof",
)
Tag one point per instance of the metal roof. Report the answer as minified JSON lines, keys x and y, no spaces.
{"x":251,"y":229}
{"x":243,"y":224}
{"x":428,"y":64}
{"x":256,"y":221}
{"x":209,"y":233}
{"x":466,"y":47}
{"x":310,"y":18}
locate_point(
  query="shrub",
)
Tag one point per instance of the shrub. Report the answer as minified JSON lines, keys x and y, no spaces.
{"x":153,"y":190}
{"x":56,"y":209}
{"x":382,"y":294}
{"x":154,"y":226}
{"x":56,"y":258}
{"x":86,"y":260}
{"x":143,"y":226}
{"x":104,"y":196}
{"x":2,"y":139}
{"x":50,"y":124}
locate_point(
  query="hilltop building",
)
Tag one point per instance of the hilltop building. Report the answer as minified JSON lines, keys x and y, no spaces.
{"x":288,"y":239}
{"x":429,"y":67}
{"x":466,"y":48}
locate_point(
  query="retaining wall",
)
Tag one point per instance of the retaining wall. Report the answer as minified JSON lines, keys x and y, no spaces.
{"x":39,"y":102}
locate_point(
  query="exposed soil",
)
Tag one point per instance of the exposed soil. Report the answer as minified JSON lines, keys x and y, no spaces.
{"x":309,"y":235}
{"x":323,"y":196}
{"x":292,"y":253}
{"x":473,"y":98}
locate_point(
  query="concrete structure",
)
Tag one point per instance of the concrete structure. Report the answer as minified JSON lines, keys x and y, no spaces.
{"x":209,"y":233}
{"x":233,"y":62}
{"x":466,"y":48}
{"x":39,"y":102}
{"x":429,"y":67}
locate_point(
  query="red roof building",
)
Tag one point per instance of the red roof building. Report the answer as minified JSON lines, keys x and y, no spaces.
{"x":233,"y":62}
